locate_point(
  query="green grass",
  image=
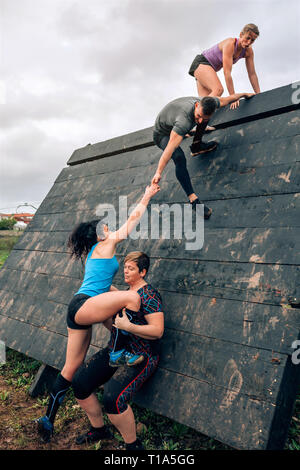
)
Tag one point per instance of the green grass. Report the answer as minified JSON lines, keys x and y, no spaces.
{"x":3,"y":255}
{"x":19,"y":370}
{"x":7,"y":243}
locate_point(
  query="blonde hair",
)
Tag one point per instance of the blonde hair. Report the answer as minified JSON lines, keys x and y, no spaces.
{"x":250,"y":27}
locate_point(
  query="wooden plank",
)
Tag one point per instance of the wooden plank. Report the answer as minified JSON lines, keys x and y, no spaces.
{"x":45,"y":263}
{"x":260,"y":369}
{"x":43,"y":381}
{"x":248,"y":245}
{"x":36,"y":342}
{"x":282,"y":179}
{"x":57,"y":287}
{"x":113,"y":146}
{"x":45,"y":314}
{"x":133,"y":159}
{"x":250,"y":282}
{"x":225,"y":414}
{"x":270,"y":151}
{"x":252,"y":324}
{"x":267,"y":103}
{"x":248,"y":182}
{"x":266,"y":211}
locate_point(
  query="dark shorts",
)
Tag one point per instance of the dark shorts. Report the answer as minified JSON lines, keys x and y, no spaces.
{"x":199,"y":59}
{"x":75,"y":304}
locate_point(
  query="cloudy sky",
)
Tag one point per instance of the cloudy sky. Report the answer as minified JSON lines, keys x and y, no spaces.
{"x":81,"y":71}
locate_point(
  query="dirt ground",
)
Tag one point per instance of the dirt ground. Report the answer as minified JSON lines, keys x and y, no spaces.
{"x":18,"y":429}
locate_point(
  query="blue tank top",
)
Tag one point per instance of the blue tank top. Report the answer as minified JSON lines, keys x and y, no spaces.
{"x":99,"y":274}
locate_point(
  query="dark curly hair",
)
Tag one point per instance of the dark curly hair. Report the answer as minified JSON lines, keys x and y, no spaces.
{"x":83,"y":237}
{"x":209,"y":105}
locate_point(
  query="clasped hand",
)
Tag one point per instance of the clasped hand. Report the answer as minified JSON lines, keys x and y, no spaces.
{"x":122,"y":323}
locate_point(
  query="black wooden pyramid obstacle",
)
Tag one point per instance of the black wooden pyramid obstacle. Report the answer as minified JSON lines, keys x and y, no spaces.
{"x":227,"y":365}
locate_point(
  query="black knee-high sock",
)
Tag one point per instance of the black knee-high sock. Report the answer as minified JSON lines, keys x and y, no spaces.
{"x":57,"y":395}
{"x":200,"y":129}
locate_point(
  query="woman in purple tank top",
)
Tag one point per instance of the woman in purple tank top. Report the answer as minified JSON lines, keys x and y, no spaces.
{"x":223,"y":55}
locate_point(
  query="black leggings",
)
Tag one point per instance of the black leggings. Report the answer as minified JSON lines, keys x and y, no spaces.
{"x":179,"y":159}
{"x":121,"y":383}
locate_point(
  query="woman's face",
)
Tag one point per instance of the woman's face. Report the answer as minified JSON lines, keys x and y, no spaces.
{"x":247,"y":39}
{"x":132,"y":273}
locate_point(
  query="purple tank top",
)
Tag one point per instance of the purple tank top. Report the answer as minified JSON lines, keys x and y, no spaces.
{"x":215,"y":56}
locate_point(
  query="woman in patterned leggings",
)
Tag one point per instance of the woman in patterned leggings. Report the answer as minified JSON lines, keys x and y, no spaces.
{"x":120,"y":384}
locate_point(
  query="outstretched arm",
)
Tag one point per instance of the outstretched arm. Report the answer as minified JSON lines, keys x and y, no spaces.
{"x":234,"y":97}
{"x":135,"y":216}
{"x":174,"y":142}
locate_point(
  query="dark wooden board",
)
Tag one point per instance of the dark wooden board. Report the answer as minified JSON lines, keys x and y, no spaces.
{"x":250,"y":245}
{"x":112,"y":146}
{"x":248,"y":212}
{"x":278,"y":100}
{"x":262,"y":283}
{"x":223,"y":414}
{"x":268,"y":151}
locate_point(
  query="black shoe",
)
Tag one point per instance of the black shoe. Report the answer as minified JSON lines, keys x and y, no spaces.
{"x":44,"y":428}
{"x":294,"y":302}
{"x":190,"y":134}
{"x":202,"y":147}
{"x":137,"y":445}
{"x":94,"y":435}
{"x":207,"y":210}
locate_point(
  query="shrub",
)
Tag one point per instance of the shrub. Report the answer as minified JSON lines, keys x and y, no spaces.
{"x":7,"y":224}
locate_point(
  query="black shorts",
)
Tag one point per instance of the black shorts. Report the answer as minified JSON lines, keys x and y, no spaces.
{"x":75,"y":304}
{"x":199,"y":59}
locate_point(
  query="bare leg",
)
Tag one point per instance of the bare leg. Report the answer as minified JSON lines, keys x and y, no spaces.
{"x":208,"y":81}
{"x":202,"y":91}
{"x":125,"y":424}
{"x":93,"y":410}
{"x":78,"y":344}
{"x":101,"y":307}
{"x":208,"y":84}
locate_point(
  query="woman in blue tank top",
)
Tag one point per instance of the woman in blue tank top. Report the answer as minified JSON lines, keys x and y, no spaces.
{"x":95,"y":301}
